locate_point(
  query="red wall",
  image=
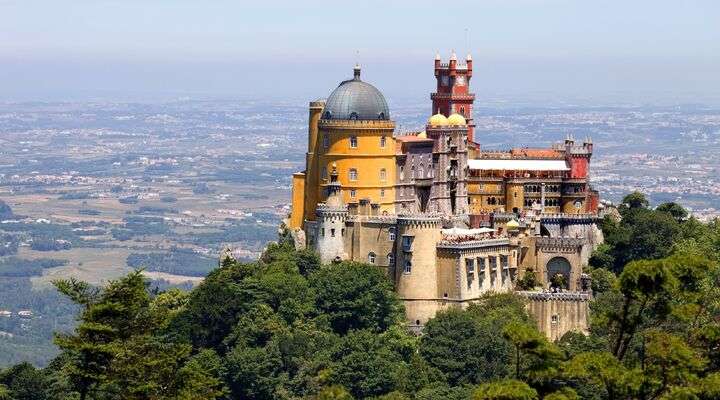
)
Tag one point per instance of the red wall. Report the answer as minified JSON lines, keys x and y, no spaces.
{"x":578,"y":167}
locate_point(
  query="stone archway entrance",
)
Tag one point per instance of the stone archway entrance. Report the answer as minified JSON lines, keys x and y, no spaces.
{"x":558,"y":265}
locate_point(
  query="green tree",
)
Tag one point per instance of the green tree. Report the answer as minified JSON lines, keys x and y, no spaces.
{"x":674,"y":209}
{"x":333,"y":393}
{"x":565,"y":393}
{"x":453,"y":343}
{"x":529,"y":280}
{"x":505,"y":390}
{"x":367,"y":366}
{"x":354,"y":296}
{"x":635,"y":200}
{"x":532,"y":349}
{"x":24,"y":382}
{"x":605,"y":371}
{"x":118,"y":349}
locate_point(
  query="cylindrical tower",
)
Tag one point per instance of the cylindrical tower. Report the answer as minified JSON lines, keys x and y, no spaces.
{"x":356,"y":134}
{"x":416,"y":274}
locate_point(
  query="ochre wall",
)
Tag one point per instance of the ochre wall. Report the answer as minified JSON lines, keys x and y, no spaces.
{"x":298,"y":201}
{"x":368,"y":158}
{"x":311,"y":170}
{"x":514,"y":196}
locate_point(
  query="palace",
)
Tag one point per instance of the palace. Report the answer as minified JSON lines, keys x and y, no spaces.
{"x":448,"y":220}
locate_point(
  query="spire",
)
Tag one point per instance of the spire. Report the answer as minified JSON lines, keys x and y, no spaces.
{"x":453,"y":56}
{"x":356,"y":72}
{"x":437,"y":56}
{"x":469,"y":57}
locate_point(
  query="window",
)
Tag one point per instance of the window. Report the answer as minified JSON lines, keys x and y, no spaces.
{"x":353,"y":142}
{"x":470,"y":271}
{"x":383,"y":174}
{"x":391,"y":234}
{"x":408,"y":267}
{"x":326,"y":141}
{"x":324,"y":173}
{"x":470,"y":265}
{"x":481,"y":270}
{"x":353,"y":174}
{"x":402,"y":172}
{"x":555,"y":319}
{"x":371,"y":257}
{"x":342,"y":232}
{"x":322,"y":232}
{"x":382,"y":192}
{"x":332,"y":232}
{"x":391,"y":259}
{"x":352,"y":193}
{"x":382,"y":141}
{"x":462,"y":111}
{"x":407,"y":243}
{"x":412,"y":172}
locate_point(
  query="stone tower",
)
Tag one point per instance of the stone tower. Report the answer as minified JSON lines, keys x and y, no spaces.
{"x":450,"y":151}
{"x":453,"y":90}
{"x":330,"y":217}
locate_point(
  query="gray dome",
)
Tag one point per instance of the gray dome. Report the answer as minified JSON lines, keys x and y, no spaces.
{"x":355,"y":99}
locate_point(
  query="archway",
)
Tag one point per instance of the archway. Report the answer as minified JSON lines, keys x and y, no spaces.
{"x":556,"y":267}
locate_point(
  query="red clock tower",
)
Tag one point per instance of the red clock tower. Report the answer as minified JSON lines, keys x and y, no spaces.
{"x":453,"y":90}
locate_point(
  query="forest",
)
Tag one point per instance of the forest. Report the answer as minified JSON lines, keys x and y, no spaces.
{"x":287,"y":327}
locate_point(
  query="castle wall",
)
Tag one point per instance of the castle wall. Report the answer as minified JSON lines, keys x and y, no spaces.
{"x":371,"y":235}
{"x":559,"y":313}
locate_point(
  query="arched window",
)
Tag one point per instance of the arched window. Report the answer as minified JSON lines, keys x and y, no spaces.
{"x":353,"y":174}
{"x":390,"y":259}
{"x":353,"y":115}
{"x":353,"y":142}
{"x":382,"y":192}
{"x":462,"y":111}
{"x":382,"y":141}
{"x":371,"y":257}
{"x":408,"y":267}
{"x":327,"y":115}
{"x":421,"y":172}
{"x":381,"y":115}
{"x":383,"y":174}
{"x":326,"y":141}
{"x":324,"y":173}
{"x":402,"y":172}
{"x":391,"y":234}
{"x":412,"y":172}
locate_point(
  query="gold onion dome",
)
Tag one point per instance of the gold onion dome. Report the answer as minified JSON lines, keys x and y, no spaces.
{"x":422,"y":135}
{"x":456,"y":119}
{"x":512,"y":224}
{"x":438,"y":120}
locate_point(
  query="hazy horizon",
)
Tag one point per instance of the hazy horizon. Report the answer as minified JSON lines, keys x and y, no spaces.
{"x":640,"y":52}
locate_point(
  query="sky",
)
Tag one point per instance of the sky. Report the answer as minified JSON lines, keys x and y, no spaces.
{"x":630,"y":50}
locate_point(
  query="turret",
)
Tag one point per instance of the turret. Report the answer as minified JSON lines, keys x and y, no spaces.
{"x":453,"y":90}
{"x":331,"y":216}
